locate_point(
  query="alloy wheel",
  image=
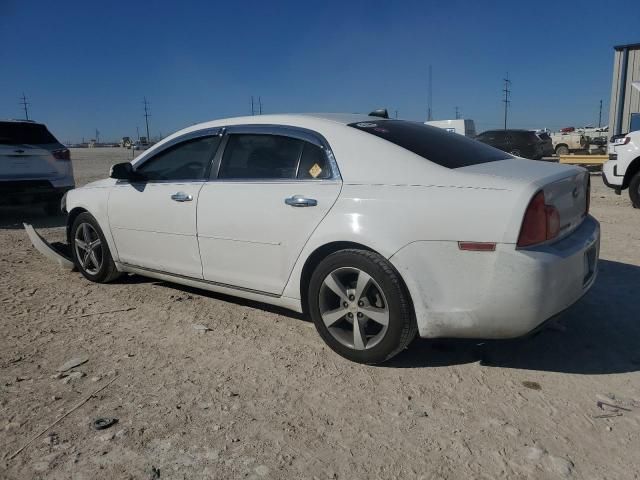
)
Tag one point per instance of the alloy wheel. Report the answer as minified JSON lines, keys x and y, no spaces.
{"x":353,"y":308}
{"x":88,"y":248}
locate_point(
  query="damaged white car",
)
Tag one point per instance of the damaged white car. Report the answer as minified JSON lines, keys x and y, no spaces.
{"x":378,"y":229}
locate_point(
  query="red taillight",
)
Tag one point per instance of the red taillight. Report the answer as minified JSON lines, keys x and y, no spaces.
{"x":541,"y":222}
{"x":62,"y":154}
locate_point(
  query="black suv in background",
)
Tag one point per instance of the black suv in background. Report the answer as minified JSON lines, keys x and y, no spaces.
{"x":522,"y":143}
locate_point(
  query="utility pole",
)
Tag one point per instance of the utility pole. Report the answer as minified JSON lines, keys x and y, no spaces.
{"x":97,"y":136}
{"x":457,"y":113}
{"x":146,"y":116}
{"x":429,"y":98}
{"x":138,"y":133}
{"x":396,"y":114}
{"x":260,"y":105}
{"x":507,"y":95}
{"x":600,"y":116}
{"x":25,"y":104}
{"x":253,"y":110}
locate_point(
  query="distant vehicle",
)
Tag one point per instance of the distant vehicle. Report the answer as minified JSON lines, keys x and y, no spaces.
{"x":622,"y":170}
{"x":303,"y":211}
{"x":569,"y":142}
{"x":547,"y":144}
{"x":125,"y":142}
{"x":521,"y":143}
{"x":34,"y":166}
{"x":464,"y":127}
{"x":143,"y":141}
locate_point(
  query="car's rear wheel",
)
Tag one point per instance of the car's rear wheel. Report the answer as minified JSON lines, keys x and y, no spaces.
{"x":91,"y":253}
{"x":360,"y":306}
{"x":562,"y":150}
{"x":634,"y":190}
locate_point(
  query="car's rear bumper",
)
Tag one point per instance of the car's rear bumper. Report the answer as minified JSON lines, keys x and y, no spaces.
{"x":20,"y":192}
{"x":501,"y":294}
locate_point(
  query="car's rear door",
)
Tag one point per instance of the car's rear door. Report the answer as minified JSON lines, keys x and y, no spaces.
{"x":270,"y":188}
{"x":153,"y":219}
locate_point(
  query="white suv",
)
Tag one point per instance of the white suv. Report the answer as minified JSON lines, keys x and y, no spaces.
{"x":34,"y":166}
{"x":623,"y":168}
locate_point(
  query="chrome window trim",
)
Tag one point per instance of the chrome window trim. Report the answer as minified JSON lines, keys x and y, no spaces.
{"x":206,"y":132}
{"x":299,"y":133}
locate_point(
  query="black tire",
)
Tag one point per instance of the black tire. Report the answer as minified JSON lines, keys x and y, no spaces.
{"x":401,"y":328}
{"x":562,"y":150}
{"x":107,"y":271}
{"x":634,"y":190}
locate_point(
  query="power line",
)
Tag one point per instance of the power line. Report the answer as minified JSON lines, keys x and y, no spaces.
{"x":429,"y":98}
{"x":25,"y":105}
{"x":600,"y":116}
{"x":507,"y":96}
{"x":146,"y":116}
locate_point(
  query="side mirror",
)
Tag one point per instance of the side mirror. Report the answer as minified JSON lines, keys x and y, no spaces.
{"x":122,"y":171}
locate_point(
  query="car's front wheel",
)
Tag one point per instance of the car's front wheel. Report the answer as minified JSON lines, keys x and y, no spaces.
{"x":91,"y":253}
{"x":360,"y":306}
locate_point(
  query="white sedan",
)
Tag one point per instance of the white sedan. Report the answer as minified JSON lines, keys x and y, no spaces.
{"x":377,"y":229}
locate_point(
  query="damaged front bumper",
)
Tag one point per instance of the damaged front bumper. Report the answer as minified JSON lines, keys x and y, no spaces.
{"x":58,"y":254}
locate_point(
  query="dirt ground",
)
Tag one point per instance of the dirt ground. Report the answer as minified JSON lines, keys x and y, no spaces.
{"x":260,"y":396}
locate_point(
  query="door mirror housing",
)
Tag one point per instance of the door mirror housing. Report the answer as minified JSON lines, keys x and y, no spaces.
{"x":123,"y":171}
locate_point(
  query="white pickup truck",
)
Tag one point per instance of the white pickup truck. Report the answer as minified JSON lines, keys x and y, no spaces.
{"x":622,"y":170}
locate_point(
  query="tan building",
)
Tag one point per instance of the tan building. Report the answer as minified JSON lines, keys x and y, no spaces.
{"x":624,"y":112}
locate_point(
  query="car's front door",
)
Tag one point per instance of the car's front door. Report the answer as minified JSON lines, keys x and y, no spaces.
{"x":153,"y":220}
{"x":270,"y":189}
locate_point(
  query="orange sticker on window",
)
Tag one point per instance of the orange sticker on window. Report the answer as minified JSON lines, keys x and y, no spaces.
{"x":315,"y":170}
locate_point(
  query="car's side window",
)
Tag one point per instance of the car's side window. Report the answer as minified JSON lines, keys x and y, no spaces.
{"x":313,"y":163}
{"x":185,"y":161}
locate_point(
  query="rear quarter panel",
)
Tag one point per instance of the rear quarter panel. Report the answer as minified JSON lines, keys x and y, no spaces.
{"x":385,"y":218}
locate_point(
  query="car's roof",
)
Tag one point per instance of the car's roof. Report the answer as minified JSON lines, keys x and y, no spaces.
{"x":298,"y":119}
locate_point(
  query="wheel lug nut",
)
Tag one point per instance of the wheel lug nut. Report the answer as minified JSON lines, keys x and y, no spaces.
{"x":350,"y":315}
{"x":359,"y":314}
{"x":352,"y":298}
{"x":345,"y":304}
{"x":361,"y":303}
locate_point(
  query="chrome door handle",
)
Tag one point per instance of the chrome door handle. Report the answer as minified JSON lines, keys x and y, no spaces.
{"x":300,"y":201}
{"x":181,"y":197}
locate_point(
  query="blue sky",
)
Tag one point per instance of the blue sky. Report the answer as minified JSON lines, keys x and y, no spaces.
{"x":86,"y":65}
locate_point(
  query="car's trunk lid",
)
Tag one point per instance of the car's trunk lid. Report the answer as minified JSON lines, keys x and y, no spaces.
{"x":565,"y":187}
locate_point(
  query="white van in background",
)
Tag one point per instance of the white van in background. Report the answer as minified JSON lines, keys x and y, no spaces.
{"x":463,"y":127}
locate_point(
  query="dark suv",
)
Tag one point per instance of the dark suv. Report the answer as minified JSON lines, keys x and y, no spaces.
{"x":34,"y":166}
{"x":522,"y":143}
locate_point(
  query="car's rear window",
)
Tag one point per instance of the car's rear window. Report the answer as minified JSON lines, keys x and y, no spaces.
{"x":447,"y":149}
{"x":18,"y":133}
